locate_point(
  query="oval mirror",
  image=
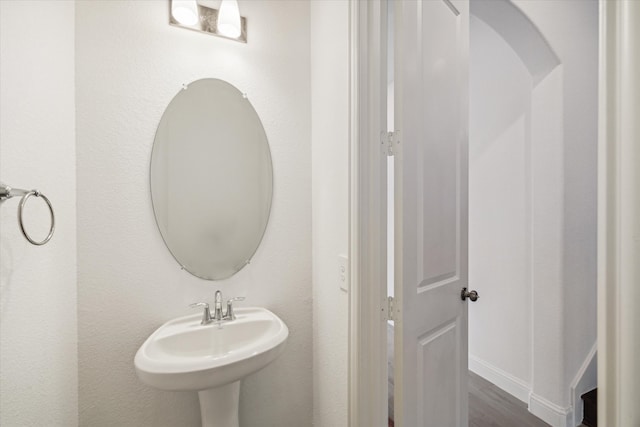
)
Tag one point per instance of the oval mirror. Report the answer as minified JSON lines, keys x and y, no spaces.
{"x":211,"y":179}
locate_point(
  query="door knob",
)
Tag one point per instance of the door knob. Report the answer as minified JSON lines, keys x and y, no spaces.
{"x":472,"y":295}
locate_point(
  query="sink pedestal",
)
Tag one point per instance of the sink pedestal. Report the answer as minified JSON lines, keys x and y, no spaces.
{"x":219,"y":406}
{"x":184,"y":355}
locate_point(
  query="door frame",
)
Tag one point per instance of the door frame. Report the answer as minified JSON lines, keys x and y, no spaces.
{"x":367,"y":218}
{"x":618,"y":182}
{"x":618,"y":213}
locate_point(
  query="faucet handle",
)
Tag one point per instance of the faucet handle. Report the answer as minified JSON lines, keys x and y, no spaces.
{"x":199,"y":304}
{"x":229,"y":315}
{"x":206,"y":314}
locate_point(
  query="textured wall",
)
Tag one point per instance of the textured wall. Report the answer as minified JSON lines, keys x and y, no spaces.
{"x":562,"y":124}
{"x":330,"y":187}
{"x":130,"y":63}
{"x":572,"y":30}
{"x":38,"y":336}
{"x":499,"y":204}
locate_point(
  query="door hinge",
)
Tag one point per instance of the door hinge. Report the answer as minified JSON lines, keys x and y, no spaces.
{"x":390,"y":308}
{"x":388,"y":140}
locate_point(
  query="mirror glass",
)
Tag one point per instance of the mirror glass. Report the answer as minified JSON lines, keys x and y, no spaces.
{"x":211,"y":179}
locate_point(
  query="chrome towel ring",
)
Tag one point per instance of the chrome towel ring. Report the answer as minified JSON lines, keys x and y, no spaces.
{"x":7,"y":192}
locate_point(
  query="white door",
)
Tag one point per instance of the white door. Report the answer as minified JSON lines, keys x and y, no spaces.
{"x":431,"y":90}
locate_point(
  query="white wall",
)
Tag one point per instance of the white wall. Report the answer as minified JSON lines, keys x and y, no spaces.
{"x":499,"y":205}
{"x":571,"y":28}
{"x":130,"y":63}
{"x":549,"y":394}
{"x":554,"y":304}
{"x":330,"y":186}
{"x":38,"y":335}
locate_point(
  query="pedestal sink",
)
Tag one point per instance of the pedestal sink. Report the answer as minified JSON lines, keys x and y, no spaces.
{"x":211,"y":359}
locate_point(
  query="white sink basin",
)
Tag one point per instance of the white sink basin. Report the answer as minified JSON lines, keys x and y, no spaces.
{"x":184,"y":355}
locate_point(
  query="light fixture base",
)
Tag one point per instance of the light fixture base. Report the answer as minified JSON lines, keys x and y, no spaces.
{"x":208,"y":24}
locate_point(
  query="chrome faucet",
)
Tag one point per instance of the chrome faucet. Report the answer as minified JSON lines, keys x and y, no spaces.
{"x":218,"y":315}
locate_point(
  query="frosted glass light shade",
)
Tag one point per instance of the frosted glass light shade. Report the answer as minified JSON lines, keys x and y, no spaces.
{"x":185,"y":11}
{"x":229,"y":19}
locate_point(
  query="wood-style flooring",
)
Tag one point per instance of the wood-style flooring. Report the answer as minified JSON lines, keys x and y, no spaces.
{"x":490,"y":406}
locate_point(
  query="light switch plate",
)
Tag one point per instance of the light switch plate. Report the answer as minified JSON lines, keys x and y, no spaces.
{"x":343,"y":272}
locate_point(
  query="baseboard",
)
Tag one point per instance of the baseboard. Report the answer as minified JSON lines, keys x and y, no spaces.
{"x":549,"y":412}
{"x":585,"y":380}
{"x":507,"y":382}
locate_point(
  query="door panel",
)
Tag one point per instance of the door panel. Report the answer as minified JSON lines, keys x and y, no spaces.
{"x":434,"y":350}
{"x":431,"y":212}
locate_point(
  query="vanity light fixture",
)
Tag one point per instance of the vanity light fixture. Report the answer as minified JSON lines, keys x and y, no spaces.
{"x":229,"y":18}
{"x":225,"y":22}
{"x":185,"y":11}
